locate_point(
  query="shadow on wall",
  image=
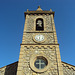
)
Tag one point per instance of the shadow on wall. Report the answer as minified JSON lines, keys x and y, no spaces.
{"x":11,"y":69}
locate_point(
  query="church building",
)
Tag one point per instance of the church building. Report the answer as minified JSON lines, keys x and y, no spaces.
{"x":39,"y":52}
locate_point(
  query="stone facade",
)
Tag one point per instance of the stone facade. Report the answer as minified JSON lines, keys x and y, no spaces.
{"x":31,"y":20}
{"x":9,"y":69}
{"x":30,"y":36}
{"x":49,"y":52}
{"x":67,"y":69}
{"x":44,"y":53}
{"x":32,"y":49}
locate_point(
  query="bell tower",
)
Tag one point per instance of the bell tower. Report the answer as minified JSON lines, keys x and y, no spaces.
{"x":39,"y":52}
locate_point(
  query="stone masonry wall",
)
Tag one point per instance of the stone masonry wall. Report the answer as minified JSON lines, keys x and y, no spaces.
{"x":31,"y":22}
{"x":68,"y":69}
{"x":48,"y":51}
{"x":9,"y":69}
{"x":49,"y":38}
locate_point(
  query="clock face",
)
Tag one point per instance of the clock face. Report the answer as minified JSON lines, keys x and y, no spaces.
{"x":39,"y":37}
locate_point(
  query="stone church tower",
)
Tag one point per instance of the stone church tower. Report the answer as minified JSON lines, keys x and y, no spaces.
{"x":39,"y":53}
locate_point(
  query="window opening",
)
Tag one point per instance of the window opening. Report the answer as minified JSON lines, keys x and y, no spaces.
{"x":39,"y":24}
{"x":40,"y":63}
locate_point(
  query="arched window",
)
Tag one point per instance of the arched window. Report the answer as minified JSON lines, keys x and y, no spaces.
{"x":39,"y":24}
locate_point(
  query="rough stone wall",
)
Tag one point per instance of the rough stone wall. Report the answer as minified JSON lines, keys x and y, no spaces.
{"x":68,"y":69}
{"x":2,"y":71}
{"x":48,"y":51}
{"x":30,"y":29}
{"x":31,"y":22}
{"x":12,"y":68}
{"x":9,"y":69}
{"x":49,"y":38}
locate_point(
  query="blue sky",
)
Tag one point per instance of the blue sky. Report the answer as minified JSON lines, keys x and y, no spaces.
{"x":12,"y":23}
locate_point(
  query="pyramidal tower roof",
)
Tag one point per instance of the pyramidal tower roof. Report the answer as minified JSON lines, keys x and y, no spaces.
{"x":39,"y":9}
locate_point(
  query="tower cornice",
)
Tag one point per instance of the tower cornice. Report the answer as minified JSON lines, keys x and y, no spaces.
{"x":39,"y":12}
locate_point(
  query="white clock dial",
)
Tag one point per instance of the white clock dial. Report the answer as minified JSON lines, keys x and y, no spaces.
{"x":39,"y":37}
